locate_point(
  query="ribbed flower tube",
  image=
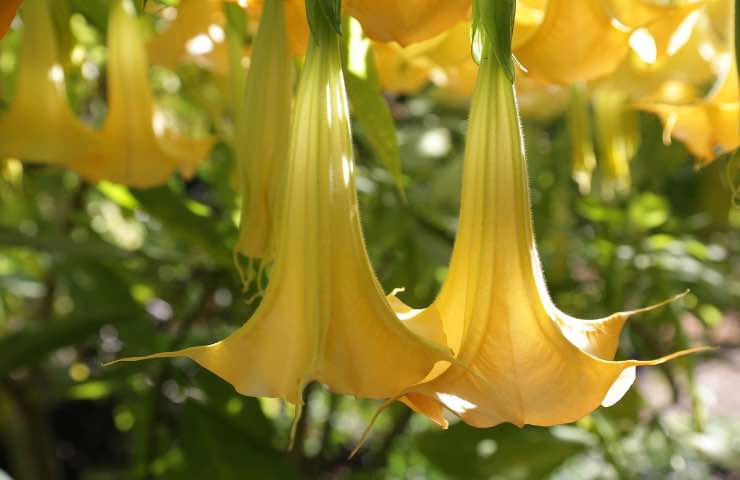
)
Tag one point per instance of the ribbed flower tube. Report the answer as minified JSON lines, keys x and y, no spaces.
{"x":262,"y":127}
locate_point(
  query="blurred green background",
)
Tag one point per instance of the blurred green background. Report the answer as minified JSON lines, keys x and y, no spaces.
{"x":90,"y":273}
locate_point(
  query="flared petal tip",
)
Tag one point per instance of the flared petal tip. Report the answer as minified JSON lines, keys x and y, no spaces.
{"x":656,"y":306}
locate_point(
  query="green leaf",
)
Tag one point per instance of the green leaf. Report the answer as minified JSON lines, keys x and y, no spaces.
{"x":505,"y":451}
{"x":233,"y":453}
{"x":369,"y":107}
{"x":171,"y":209}
{"x":496,"y":19}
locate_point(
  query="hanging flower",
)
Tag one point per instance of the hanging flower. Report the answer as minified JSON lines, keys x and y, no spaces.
{"x":708,"y":125}
{"x":323,"y":316}
{"x":261,"y":140}
{"x":136,"y":146}
{"x":195,"y":34}
{"x":40,"y":125}
{"x":527,"y":362}
{"x":576,"y":41}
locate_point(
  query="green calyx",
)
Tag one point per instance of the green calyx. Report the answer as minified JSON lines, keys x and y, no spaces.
{"x":324,"y":18}
{"x":493,"y":27}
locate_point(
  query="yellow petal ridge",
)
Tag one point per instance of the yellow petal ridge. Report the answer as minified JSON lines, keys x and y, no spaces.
{"x":324,"y":316}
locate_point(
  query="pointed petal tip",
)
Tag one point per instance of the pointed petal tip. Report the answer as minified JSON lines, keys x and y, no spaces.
{"x":655,"y":306}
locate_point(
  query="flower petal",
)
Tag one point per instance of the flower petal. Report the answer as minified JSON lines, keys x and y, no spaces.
{"x":40,"y":125}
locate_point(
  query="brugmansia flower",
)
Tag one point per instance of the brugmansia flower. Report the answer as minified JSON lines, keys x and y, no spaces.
{"x":7,"y":13}
{"x":262,"y":124}
{"x":323,"y":316}
{"x":130,"y":149}
{"x":40,"y":125}
{"x":709,"y":126}
{"x":576,"y":41}
{"x":196,"y":34}
{"x":526,"y":361}
{"x":566,"y":41}
{"x":408,"y":21}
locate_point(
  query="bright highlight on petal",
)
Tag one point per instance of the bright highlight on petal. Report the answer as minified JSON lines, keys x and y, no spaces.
{"x":40,"y":125}
{"x":323,"y":316}
{"x":128,"y":149}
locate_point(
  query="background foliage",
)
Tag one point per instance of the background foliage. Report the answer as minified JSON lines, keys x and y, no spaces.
{"x":90,"y":272}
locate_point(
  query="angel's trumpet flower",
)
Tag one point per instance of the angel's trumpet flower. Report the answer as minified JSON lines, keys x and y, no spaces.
{"x":576,"y":41}
{"x":196,"y":34}
{"x":262,"y":125}
{"x":135,"y":147}
{"x":409,"y":21}
{"x":709,"y":126}
{"x":690,"y":54}
{"x":7,"y":13}
{"x":40,"y":125}
{"x":526,"y":361}
{"x":323,"y":316}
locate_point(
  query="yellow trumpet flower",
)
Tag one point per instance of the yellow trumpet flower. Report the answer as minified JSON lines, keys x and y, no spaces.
{"x":401,"y":70}
{"x":445,"y":60}
{"x":709,"y":126}
{"x":135,"y":147}
{"x":409,"y":21}
{"x":40,"y":125}
{"x":7,"y":13}
{"x":526,"y":361}
{"x":323,"y":316}
{"x":262,"y":123}
{"x":691,"y":55}
{"x":578,"y":40}
{"x":196,"y":34}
